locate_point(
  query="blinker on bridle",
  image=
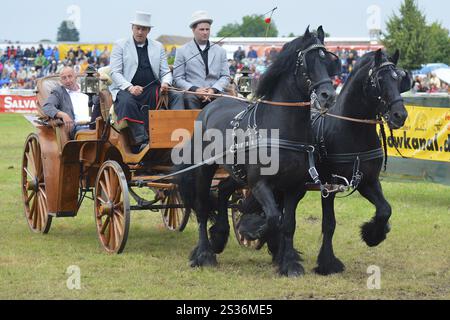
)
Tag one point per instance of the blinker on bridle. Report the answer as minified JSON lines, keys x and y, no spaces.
{"x":374,"y":82}
{"x":301,"y":62}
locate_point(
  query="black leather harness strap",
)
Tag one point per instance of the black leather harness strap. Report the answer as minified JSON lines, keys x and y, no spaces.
{"x":282,"y":144}
{"x":340,"y":158}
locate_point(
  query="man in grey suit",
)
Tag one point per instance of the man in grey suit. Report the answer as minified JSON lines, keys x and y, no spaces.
{"x":66,"y":102}
{"x":139,"y":71}
{"x":208,"y":72}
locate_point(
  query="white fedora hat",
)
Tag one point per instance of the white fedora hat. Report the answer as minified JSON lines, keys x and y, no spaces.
{"x":142,"y":19}
{"x":200,"y":16}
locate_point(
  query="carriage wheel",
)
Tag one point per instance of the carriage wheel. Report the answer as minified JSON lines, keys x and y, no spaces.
{"x":33,"y":187}
{"x":236,"y":216}
{"x":174,"y":219}
{"x":112,"y":207}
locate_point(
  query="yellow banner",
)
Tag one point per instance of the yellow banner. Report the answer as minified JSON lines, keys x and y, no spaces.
{"x":64,"y":48}
{"x":425,"y":136}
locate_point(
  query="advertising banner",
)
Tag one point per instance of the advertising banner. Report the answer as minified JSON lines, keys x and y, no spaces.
{"x":18,"y":104}
{"x":425,"y":136}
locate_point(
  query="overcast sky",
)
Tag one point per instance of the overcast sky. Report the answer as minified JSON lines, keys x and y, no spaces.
{"x":108,"y":20}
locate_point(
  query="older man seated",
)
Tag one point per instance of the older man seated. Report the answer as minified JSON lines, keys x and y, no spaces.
{"x":66,"y":102}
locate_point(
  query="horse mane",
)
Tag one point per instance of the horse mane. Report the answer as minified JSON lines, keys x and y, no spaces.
{"x":282,"y":65}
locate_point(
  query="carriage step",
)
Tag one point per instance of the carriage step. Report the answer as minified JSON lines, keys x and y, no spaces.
{"x":63,"y":215}
{"x":149,"y":178}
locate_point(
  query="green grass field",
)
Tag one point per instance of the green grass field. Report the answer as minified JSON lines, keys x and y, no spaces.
{"x":414,"y":260}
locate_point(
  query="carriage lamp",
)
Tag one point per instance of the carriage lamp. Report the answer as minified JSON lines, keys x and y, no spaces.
{"x":244,"y":85}
{"x":90,"y":83}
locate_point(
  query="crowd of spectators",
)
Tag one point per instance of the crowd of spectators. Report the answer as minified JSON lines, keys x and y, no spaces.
{"x":252,"y":60}
{"x":20,"y":68}
{"x":259,"y":64}
{"x":429,"y":84}
{"x":349,"y":57}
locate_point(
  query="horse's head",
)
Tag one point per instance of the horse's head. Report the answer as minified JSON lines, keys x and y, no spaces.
{"x":314,"y":68}
{"x":302,"y":70}
{"x":385,"y":84}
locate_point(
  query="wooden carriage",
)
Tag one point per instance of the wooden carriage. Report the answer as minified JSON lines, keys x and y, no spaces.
{"x":58,"y":173}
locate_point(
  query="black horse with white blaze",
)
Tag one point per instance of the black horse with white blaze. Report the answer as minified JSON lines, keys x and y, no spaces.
{"x":302,"y":69}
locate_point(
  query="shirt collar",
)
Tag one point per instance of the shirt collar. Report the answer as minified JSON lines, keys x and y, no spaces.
{"x":141,"y":45}
{"x":71,"y":91}
{"x":206,"y":48}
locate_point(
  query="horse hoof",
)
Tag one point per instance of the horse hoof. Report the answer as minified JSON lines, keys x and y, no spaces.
{"x":204,"y":259}
{"x":333,"y":267}
{"x":289,"y":264}
{"x":295,"y":270}
{"x":252,"y":227}
{"x":373,"y":234}
{"x":218,"y":238}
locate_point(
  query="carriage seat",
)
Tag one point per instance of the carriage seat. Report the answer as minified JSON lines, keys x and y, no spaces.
{"x":106,"y":101}
{"x":44,"y":88}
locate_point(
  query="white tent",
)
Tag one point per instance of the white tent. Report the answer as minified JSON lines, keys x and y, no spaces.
{"x":443,"y":74}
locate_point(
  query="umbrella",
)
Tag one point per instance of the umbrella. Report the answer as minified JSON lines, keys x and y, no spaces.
{"x":443,"y":74}
{"x":431,"y":67}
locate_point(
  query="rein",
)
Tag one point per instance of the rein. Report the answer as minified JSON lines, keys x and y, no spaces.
{"x":365,"y":121}
{"x":215,"y":95}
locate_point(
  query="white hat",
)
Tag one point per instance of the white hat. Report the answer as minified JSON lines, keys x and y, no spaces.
{"x":200,"y":16}
{"x":142,"y":19}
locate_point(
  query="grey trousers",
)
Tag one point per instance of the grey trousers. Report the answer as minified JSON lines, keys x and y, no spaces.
{"x":191,"y":101}
{"x":139,"y":131}
{"x":176,"y":101}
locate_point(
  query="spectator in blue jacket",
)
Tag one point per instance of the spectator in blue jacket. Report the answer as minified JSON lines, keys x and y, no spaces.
{"x":252,"y":54}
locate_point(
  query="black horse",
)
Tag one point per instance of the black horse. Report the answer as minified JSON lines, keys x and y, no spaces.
{"x":350,"y":148}
{"x":353,"y":150}
{"x":302,"y":70}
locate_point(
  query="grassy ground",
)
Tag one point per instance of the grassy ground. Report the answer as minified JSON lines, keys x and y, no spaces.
{"x":414,"y":260}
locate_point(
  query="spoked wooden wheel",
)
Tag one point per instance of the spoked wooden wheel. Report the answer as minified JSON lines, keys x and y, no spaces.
{"x":33,"y":187}
{"x":175,"y":219}
{"x":236,"y":216}
{"x":112,"y":207}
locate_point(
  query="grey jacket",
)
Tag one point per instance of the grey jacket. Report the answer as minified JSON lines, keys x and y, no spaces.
{"x":193,"y":73}
{"x":58,"y":100}
{"x":124,"y":64}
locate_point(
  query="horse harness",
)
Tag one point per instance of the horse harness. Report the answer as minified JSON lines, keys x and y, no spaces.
{"x":254,"y":140}
{"x":302,"y":63}
{"x":374,"y":82}
{"x":357,"y":158}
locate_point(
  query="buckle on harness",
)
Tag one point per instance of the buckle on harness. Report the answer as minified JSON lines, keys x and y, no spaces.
{"x":314,"y":174}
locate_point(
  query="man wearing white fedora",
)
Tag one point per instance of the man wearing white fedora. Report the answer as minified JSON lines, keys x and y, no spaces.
{"x":208,"y":72}
{"x":139,"y":70}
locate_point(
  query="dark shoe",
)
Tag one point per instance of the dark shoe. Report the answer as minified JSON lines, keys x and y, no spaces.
{"x":143,"y":146}
{"x":139,"y":148}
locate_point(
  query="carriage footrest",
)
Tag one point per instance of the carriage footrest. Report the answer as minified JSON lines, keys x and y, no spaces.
{"x":63,"y":214}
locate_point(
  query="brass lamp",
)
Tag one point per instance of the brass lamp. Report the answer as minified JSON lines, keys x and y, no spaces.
{"x":90,"y":83}
{"x":244,"y":85}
